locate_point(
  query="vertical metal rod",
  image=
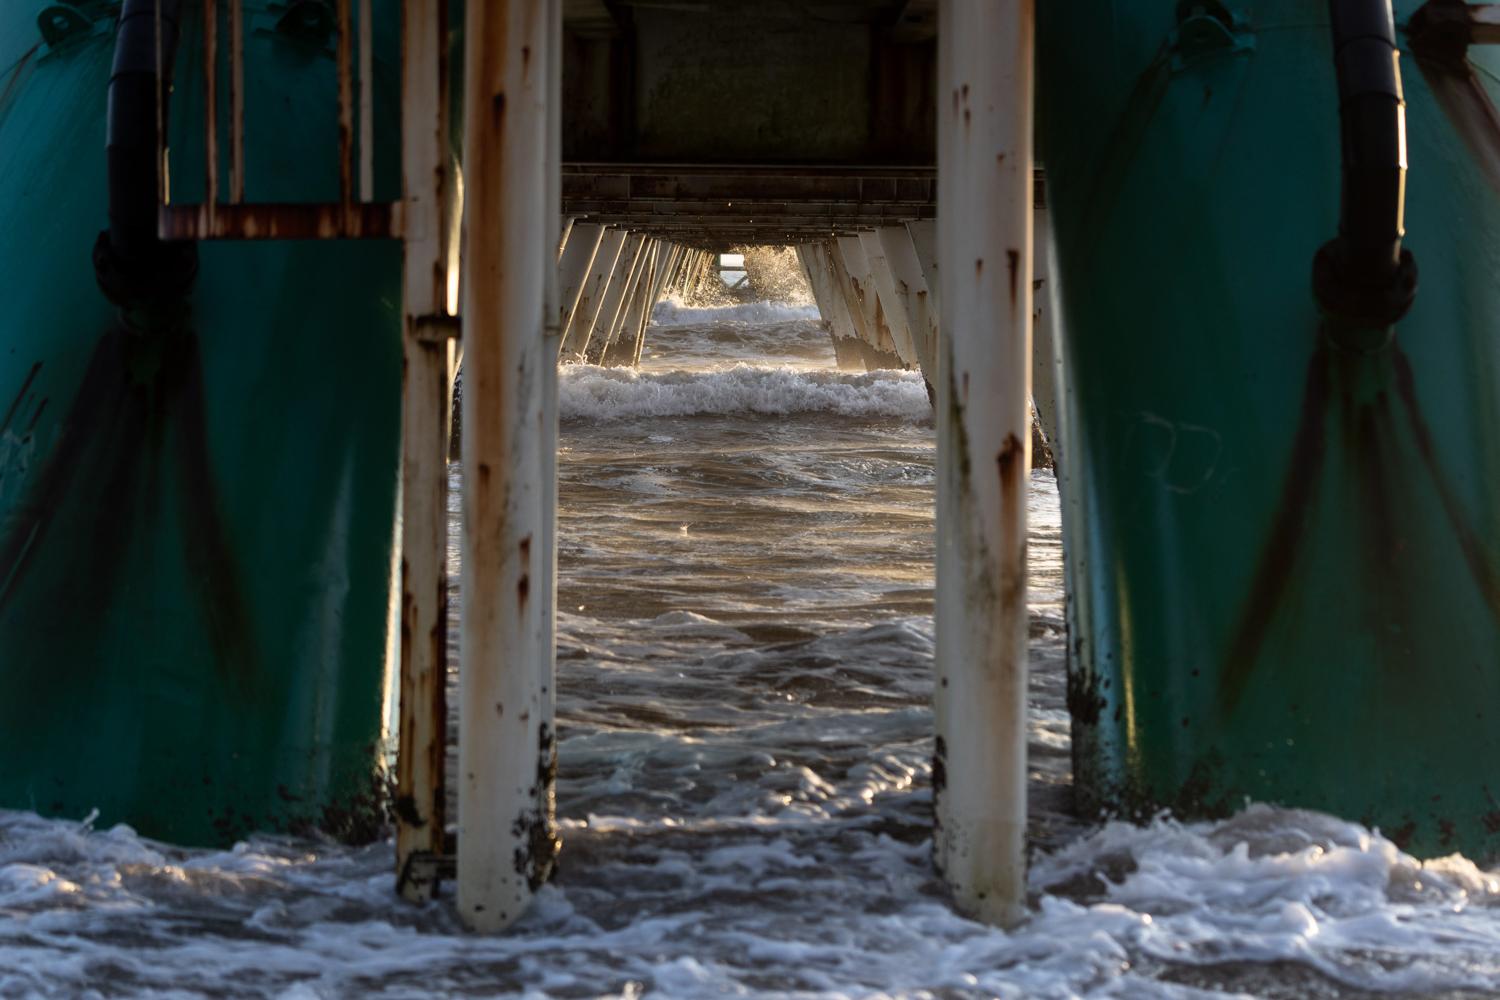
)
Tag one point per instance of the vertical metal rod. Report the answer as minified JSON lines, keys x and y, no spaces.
{"x":236,"y":102}
{"x":545,"y":579}
{"x":507,"y":752}
{"x":163,"y":193}
{"x":1044,"y":346}
{"x":346,"y":109}
{"x":211,"y":104}
{"x":426,"y":404}
{"x":366,"y":104}
{"x":983,"y":415}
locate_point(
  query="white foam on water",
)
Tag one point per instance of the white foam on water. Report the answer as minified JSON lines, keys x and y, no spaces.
{"x":670,"y":312}
{"x":587,"y":392}
{"x":752,"y":906}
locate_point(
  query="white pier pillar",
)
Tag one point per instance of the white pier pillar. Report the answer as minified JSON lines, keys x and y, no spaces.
{"x":507,"y":834}
{"x":426,"y":402}
{"x":846,"y":259}
{"x":701,"y":274}
{"x":581,"y":324}
{"x":892,"y":307}
{"x":620,"y":351}
{"x":674,"y":255}
{"x":916,"y":298}
{"x":984,"y":436}
{"x":832,"y":307}
{"x":617,"y":296}
{"x":924,"y":241}
{"x":575,"y":268}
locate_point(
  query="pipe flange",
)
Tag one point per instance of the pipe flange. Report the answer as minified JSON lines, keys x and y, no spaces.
{"x":1357,"y":304}
{"x":165,"y":277}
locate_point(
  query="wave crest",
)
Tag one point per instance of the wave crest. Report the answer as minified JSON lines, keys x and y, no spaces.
{"x":587,"y":392}
{"x":670,"y":312}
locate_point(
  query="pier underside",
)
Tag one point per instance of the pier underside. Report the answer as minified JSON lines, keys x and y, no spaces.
{"x":223,"y":515}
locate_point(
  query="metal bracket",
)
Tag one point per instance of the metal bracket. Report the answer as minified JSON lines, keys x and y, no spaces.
{"x":436,"y":328}
{"x":1207,"y":29}
{"x":1444,"y":29}
{"x":426,"y":868}
{"x":61,"y":23}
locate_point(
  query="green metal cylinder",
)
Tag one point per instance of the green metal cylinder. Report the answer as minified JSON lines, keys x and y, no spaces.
{"x":1284,"y":553}
{"x":196,"y":527}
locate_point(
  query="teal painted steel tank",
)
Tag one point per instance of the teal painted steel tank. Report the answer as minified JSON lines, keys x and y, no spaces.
{"x":196,"y":522}
{"x":1283,"y":549}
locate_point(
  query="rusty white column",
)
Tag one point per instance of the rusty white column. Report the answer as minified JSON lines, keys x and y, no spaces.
{"x":543,"y":789}
{"x":507,"y":836}
{"x":580,"y":326}
{"x":917,"y":301}
{"x":426,"y":405}
{"x":983,"y":417}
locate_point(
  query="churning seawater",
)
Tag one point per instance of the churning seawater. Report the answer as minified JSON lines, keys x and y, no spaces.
{"x":744,"y":670}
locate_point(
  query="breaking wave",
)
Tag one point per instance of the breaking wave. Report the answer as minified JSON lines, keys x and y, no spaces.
{"x":670,"y":312}
{"x":587,"y":392}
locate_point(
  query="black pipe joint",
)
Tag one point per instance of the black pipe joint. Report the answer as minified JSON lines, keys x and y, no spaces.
{"x":136,"y":269}
{"x":1363,"y":276}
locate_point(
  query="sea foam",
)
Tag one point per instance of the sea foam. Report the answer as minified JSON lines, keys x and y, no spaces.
{"x":670,"y":312}
{"x":590,"y":393}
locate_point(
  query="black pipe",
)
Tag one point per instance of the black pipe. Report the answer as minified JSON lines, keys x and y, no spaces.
{"x":1363,"y":277}
{"x":135,"y":269}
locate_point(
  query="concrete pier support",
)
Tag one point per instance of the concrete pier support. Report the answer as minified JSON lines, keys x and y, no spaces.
{"x":859,"y":286}
{"x":892,"y":307}
{"x":914,"y":296}
{"x":701,"y":274}
{"x":580,"y":328}
{"x":875,"y":345}
{"x":426,"y":398}
{"x":983,"y":416}
{"x":619,"y":350}
{"x":575,"y":268}
{"x":924,"y":242}
{"x":672,"y":254}
{"x":616,"y":296}
{"x":832,"y":307}
{"x":507,"y":750}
